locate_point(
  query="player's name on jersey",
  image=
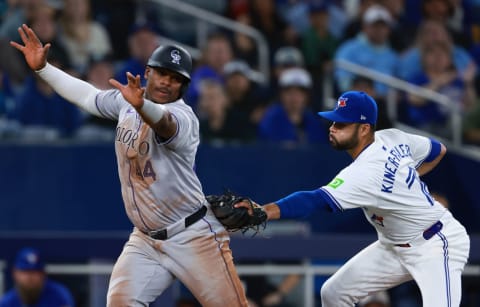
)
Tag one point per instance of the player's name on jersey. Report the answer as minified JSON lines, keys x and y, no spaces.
{"x":396,"y":154}
{"x":129,"y":138}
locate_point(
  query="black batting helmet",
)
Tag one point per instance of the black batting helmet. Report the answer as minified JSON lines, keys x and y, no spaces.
{"x":174,"y":58}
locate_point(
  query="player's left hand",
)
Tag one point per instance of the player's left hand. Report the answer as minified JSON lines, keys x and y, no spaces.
{"x":132,"y":92}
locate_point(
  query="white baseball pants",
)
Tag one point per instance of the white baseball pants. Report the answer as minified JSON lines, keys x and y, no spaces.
{"x":436,"y":266}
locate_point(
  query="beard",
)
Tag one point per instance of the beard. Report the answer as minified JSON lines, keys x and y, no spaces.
{"x":348,"y":144}
{"x":29,"y":296}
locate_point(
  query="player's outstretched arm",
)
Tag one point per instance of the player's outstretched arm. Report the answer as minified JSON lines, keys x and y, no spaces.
{"x":154,"y":114}
{"x":74,"y":90}
{"x":271,"y":209}
{"x":297,"y":205}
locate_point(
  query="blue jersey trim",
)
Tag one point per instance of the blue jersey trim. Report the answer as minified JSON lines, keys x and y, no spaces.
{"x":435,"y":150}
{"x":446,"y":268}
{"x":303,"y":203}
{"x":333,"y":203}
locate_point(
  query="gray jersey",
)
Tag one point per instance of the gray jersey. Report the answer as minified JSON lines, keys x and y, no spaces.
{"x":159,"y":184}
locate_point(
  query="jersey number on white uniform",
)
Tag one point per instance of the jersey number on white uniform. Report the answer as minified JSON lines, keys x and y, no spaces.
{"x":412,"y":175}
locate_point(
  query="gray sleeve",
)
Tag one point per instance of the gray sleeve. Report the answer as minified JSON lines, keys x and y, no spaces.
{"x":420,"y":147}
{"x":187,"y":133}
{"x":109,"y":103}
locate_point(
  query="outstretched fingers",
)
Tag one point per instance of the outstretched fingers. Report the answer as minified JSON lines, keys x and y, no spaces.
{"x":134,"y":80}
{"x":28,"y":36}
{"x":23,"y":34}
{"x":17,"y":46}
{"x":115,"y":84}
{"x":132,"y":92}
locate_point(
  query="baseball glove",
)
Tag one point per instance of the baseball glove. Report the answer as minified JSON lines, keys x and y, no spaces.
{"x":235,"y":219}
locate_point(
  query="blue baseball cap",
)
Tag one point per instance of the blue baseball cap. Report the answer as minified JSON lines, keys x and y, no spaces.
{"x":353,"y":107}
{"x":28,"y":259}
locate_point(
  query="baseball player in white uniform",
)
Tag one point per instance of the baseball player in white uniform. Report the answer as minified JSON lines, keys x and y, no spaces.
{"x":175,"y":235}
{"x":418,"y":238}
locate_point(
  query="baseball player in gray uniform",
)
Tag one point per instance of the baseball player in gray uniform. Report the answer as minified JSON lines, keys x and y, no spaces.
{"x":418,"y":238}
{"x":175,"y":233}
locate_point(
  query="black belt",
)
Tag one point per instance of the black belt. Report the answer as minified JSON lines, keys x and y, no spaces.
{"x":162,"y":234}
{"x":427,"y":234}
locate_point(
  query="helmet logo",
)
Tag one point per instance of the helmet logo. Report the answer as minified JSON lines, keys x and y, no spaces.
{"x":175,"y":54}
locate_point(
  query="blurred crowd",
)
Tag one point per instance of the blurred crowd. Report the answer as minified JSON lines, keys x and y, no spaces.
{"x":433,"y":44}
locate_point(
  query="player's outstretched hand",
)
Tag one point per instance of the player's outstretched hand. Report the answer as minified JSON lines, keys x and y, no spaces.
{"x":33,"y":50}
{"x":245,"y":204}
{"x":132,"y":91}
{"x":271,"y":210}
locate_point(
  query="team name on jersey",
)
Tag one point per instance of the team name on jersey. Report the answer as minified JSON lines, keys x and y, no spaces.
{"x":396,"y":154}
{"x":129,"y":138}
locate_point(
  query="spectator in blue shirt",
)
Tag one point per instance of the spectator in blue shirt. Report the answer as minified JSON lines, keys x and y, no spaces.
{"x":42,"y":113}
{"x":431,"y":32}
{"x":142,"y":40}
{"x":370,"y":48}
{"x":216,"y":53}
{"x":291,"y":120}
{"x":439,"y":75}
{"x":32,"y":287}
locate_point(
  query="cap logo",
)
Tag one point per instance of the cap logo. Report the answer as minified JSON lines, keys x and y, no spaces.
{"x":32,"y":258}
{"x":342,"y":102}
{"x":175,"y":54}
{"x":363,"y":117}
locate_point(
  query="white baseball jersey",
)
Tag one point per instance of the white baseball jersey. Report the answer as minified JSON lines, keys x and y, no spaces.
{"x":159,"y":184}
{"x":383,"y":181}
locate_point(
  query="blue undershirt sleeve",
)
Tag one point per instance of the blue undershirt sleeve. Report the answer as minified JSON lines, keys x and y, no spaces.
{"x":301,"y":204}
{"x":434,"y":152}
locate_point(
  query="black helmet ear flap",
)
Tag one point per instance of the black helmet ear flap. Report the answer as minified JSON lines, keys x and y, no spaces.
{"x":184,"y":88}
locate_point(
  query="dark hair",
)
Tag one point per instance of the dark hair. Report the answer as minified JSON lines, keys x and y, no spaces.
{"x":361,"y":79}
{"x":451,"y":7}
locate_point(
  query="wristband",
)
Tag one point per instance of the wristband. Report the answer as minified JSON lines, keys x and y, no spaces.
{"x":152,"y":112}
